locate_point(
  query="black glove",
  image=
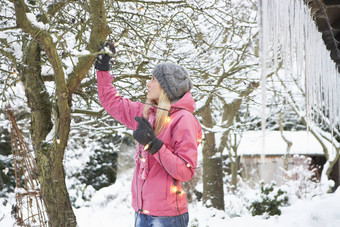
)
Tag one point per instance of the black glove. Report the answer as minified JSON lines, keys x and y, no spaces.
{"x":145,"y":135}
{"x":103,"y":60}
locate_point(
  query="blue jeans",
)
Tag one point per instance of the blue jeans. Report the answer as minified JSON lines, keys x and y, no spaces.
{"x":142,"y":220}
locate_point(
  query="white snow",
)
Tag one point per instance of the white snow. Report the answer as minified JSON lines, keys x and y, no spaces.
{"x":31,"y":17}
{"x":110,"y":206}
{"x":303,"y":143}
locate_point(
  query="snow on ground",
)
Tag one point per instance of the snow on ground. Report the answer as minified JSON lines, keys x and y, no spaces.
{"x":318,"y":212}
{"x":110,"y":206}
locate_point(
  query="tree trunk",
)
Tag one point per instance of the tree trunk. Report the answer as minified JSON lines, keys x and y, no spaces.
{"x":49,"y":155}
{"x":234,"y":171}
{"x":328,"y":166}
{"x":289,"y":144}
{"x":230,"y":112}
{"x":213,"y":194}
{"x":49,"y":159}
{"x":233,"y":161}
{"x":53,"y":188}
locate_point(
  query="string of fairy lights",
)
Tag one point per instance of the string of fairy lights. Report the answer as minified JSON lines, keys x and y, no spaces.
{"x":174,"y":188}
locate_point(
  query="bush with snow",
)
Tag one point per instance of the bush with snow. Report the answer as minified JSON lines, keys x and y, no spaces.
{"x":269,"y":201}
{"x":301,"y":181}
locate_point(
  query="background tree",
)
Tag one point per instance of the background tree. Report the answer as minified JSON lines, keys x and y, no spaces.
{"x":326,"y":133}
{"x":227,"y":83}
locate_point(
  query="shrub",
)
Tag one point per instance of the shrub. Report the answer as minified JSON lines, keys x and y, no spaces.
{"x":269,"y":201}
{"x":302,"y":178}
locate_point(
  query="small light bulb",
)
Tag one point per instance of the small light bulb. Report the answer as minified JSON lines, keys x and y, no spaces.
{"x":146,"y":211}
{"x":188,"y":165}
{"x":117,"y":94}
{"x":58,"y":139}
{"x":199,"y":140}
{"x":167,"y":120}
{"x":6,"y":170}
{"x":84,"y":90}
{"x":146,"y":147}
{"x":142,"y":158}
{"x":15,"y":74}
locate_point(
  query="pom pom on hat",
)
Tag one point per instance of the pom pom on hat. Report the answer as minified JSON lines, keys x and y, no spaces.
{"x":173,"y":78}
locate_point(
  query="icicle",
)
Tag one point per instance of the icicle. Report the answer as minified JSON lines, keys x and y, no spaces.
{"x":263,"y":61}
{"x":289,"y":34}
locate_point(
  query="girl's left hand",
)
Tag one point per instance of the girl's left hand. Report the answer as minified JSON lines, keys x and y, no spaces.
{"x":145,"y":135}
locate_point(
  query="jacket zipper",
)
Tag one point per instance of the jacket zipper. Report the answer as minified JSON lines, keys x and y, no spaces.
{"x":139,"y":206}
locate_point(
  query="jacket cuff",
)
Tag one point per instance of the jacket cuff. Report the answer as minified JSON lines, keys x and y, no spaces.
{"x":156,"y":144}
{"x":104,"y":77}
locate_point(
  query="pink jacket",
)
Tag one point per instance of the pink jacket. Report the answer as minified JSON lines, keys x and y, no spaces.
{"x":176,"y":160}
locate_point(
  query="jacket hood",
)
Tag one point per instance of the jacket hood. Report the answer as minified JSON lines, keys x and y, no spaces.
{"x":186,"y":102}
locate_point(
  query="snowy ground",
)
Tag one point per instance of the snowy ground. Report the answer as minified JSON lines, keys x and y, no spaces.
{"x":110,"y":206}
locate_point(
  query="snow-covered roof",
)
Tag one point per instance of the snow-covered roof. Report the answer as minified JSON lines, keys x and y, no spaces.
{"x":304,"y":143}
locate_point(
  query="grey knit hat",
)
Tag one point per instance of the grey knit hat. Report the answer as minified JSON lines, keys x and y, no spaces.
{"x":173,"y":78}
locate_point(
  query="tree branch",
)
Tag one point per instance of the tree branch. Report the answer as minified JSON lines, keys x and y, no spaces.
{"x":231,"y":110}
{"x":88,"y":112}
{"x":42,"y":36}
{"x":153,"y":2}
{"x":99,"y":32}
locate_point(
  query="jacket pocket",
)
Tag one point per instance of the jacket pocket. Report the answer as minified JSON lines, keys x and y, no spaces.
{"x":155,"y":187}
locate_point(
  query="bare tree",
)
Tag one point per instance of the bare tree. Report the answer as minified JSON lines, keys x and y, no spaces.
{"x":225,"y":84}
{"x":327,"y":134}
{"x":55,"y":112}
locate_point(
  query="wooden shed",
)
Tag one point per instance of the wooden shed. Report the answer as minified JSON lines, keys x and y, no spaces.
{"x":267,"y":162}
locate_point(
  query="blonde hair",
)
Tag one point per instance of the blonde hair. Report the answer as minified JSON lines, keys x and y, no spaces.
{"x":162,"y":111}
